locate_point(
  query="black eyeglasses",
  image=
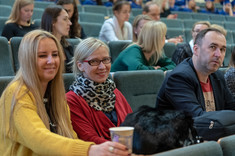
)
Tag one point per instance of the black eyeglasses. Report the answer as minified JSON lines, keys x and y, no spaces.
{"x":96,"y":62}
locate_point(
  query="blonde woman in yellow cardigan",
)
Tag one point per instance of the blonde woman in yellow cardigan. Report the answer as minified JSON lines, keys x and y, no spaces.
{"x":34,"y":116}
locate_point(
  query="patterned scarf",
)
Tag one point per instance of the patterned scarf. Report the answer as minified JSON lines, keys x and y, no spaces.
{"x":99,"y":96}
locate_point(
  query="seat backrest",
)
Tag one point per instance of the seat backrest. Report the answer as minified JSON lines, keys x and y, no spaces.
{"x":227,"y":55}
{"x":217,"y":17}
{"x":210,"y":148}
{"x":5,"y":10}
{"x":227,"y":144}
{"x":91,"y":17}
{"x":15,"y":43}
{"x":91,"y":29}
{"x":4,"y":81}
{"x":175,"y":32}
{"x":139,"y":87}
{"x":173,"y":23}
{"x":42,"y":4}
{"x":2,"y":23}
{"x":169,"y":49}
{"x":74,"y":42}
{"x":6,"y":63}
{"x":68,"y":80}
{"x":116,"y":47}
{"x":96,"y":9}
{"x":200,"y":16}
{"x":136,"y":11}
{"x":37,"y":13}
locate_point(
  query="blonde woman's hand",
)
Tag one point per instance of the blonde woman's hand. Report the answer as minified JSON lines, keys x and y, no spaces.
{"x":108,"y":149}
{"x":156,"y":67}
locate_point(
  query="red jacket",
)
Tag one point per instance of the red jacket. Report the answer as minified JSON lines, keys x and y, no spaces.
{"x":93,"y":125}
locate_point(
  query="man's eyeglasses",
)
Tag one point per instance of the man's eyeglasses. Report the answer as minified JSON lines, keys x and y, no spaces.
{"x":96,"y":62}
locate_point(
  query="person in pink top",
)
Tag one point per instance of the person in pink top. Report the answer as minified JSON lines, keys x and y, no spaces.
{"x":95,"y":102}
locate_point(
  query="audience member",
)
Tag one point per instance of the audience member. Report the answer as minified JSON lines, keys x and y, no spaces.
{"x":172,"y":5}
{"x":160,"y":130}
{"x":76,"y":30}
{"x":138,"y":24}
{"x":227,"y":9}
{"x":147,"y":53}
{"x":230,"y":74}
{"x":209,"y":7}
{"x":165,"y":11}
{"x":136,"y":3}
{"x":185,"y":50}
{"x":95,"y":103}
{"x":192,"y":5}
{"x":220,"y":28}
{"x":19,"y":21}
{"x":118,"y":27}
{"x":34,"y":118}
{"x":56,"y":20}
{"x":195,"y":85}
{"x":153,"y":11}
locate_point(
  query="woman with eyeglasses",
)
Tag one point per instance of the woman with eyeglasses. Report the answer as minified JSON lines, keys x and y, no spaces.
{"x":118,"y":27}
{"x":95,"y":102}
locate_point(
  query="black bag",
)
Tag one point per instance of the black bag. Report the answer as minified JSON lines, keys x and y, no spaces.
{"x":216,"y":124}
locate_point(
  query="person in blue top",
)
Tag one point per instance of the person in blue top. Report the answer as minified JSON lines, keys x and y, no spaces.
{"x":227,"y":9}
{"x":209,"y":7}
{"x":147,"y":53}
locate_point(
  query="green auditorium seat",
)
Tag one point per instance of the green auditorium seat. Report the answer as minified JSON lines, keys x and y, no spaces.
{"x":4,"y":81}
{"x":5,"y":10}
{"x":215,"y":17}
{"x":2,"y":23}
{"x":175,"y":32}
{"x":37,"y":13}
{"x":91,"y":17}
{"x":229,"y":25}
{"x":200,"y":16}
{"x":227,"y":55}
{"x":42,"y":4}
{"x":96,"y":9}
{"x":183,"y":15}
{"x":6,"y":64}
{"x":136,"y":11}
{"x":139,"y":87}
{"x":210,"y":148}
{"x":91,"y":29}
{"x":169,"y":49}
{"x":173,"y":23}
{"x":115,"y":48}
{"x":227,"y":144}
{"x":15,"y":43}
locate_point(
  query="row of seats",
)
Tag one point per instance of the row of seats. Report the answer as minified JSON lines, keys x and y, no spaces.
{"x":9,"y":52}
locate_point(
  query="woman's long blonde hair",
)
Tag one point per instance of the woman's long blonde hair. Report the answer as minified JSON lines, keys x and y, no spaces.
{"x":151,"y":39}
{"x":27,"y":75}
{"x":15,"y":13}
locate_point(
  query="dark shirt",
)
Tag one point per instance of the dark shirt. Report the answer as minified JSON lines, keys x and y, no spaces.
{"x":112,"y":116}
{"x":68,"y":51}
{"x":181,"y":90}
{"x":182,"y":52}
{"x":165,"y":13}
{"x":12,"y":29}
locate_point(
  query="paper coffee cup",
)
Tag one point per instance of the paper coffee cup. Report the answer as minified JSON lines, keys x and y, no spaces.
{"x":123,"y":135}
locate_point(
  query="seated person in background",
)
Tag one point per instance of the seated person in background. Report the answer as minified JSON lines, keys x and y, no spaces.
{"x":172,"y":5}
{"x":209,"y":7}
{"x":192,"y":5}
{"x":160,"y":130}
{"x":185,"y":50}
{"x":95,"y":103}
{"x":76,"y":30}
{"x":19,"y":21}
{"x":55,"y":20}
{"x":153,"y":11}
{"x":233,"y":6}
{"x":118,"y":27}
{"x":227,"y":9}
{"x":35,"y":118}
{"x":138,"y":24}
{"x":230,"y":74}
{"x":165,"y":11}
{"x":195,"y":86}
{"x":147,"y":53}
{"x":220,"y":28}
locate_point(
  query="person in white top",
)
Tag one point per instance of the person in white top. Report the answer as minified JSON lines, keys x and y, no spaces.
{"x":118,"y":27}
